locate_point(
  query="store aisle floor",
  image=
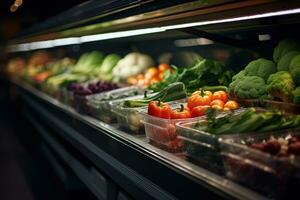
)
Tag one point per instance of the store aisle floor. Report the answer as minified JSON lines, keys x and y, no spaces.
{"x":13,"y":183}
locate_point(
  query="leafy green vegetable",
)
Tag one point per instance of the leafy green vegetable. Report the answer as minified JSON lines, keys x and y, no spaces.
{"x":88,"y":62}
{"x":204,"y":72}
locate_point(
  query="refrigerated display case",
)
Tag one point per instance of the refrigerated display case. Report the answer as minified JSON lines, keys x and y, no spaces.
{"x":111,"y":161}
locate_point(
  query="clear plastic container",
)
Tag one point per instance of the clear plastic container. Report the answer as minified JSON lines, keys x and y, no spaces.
{"x":201,"y":148}
{"x":67,"y":97}
{"x":80,"y":104}
{"x":162,"y":132}
{"x":263,"y":172}
{"x":129,"y":119}
{"x":100,"y":104}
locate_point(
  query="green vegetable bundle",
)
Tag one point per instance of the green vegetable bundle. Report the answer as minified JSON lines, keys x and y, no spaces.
{"x":172,"y":92}
{"x":203,"y":73}
{"x":249,"y":121}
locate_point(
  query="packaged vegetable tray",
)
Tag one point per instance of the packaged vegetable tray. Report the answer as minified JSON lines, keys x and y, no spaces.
{"x":162,"y":132}
{"x":100,"y":104}
{"x":201,"y":148}
{"x":201,"y":138}
{"x":263,"y":162}
{"x":129,"y":119}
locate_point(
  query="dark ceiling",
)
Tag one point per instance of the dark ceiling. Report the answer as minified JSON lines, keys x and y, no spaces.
{"x":29,"y":13}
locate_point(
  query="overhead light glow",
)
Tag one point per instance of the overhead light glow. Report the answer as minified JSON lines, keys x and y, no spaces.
{"x":264,"y":37}
{"x":192,"y":42}
{"x":122,"y":34}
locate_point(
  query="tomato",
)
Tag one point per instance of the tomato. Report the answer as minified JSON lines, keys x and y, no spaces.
{"x":163,"y":67}
{"x":159,"y":109}
{"x":140,"y":76}
{"x":198,"y":99}
{"x":42,"y":76}
{"x":199,"y":111}
{"x":217,"y":107}
{"x":154,"y":80}
{"x":151,"y":72}
{"x":132,"y":80}
{"x":231,"y":105}
{"x":181,"y":113}
{"x":161,"y":76}
{"x":222,"y":95}
{"x":217,"y":102}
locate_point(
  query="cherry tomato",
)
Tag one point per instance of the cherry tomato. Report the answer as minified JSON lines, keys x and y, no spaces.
{"x":217,"y":102}
{"x":159,"y":109}
{"x":231,"y":105}
{"x":181,"y":113}
{"x":154,"y":80}
{"x":217,"y":107}
{"x":132,"y":80}
{"x":161,"y":76}
{"x":163,"y":67}
{"x":198,"y":99}
{"x":151,"y":72}
{"x":199,"y":111}
{"x":222,"y":95}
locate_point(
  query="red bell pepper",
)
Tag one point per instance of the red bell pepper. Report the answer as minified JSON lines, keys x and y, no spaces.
{"x":159,"y":109}
{"x":181,"y":113}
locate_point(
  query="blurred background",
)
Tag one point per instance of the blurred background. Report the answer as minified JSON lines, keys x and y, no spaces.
{"x":28,"y":13}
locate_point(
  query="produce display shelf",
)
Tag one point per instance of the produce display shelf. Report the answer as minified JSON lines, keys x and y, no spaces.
{"x":142,"y":170}
{"x":176,"y":16}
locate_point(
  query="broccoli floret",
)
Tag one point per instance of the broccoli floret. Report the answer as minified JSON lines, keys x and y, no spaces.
{"x":295,"y":69}
{"x":235,"y":80}
{"x":239,"y":75}
{"x":251,"y":87}
{"x":285,"y":61}
{"x":296,"y":95}
{"x":281,"y":85}
{"x":260,"y":67}
{"x":285,"y":46}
